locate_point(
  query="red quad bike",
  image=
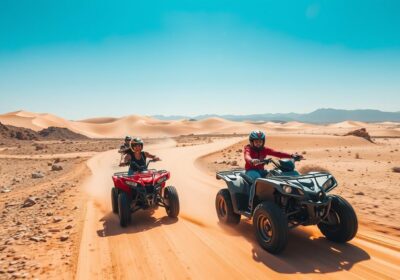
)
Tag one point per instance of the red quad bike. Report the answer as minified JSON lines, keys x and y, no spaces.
{"x":144,"y":189}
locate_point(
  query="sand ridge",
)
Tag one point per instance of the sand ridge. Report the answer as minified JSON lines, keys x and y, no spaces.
{"x":144,"y":126}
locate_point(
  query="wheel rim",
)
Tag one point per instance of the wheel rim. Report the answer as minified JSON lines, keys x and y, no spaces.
{"x":222,"y":208}
{"x":265,"y":228}
{"x":332,"y":219}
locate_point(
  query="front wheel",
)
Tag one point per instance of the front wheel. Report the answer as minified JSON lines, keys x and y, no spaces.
{"x":271,"y":227}
{"x":114,"y":200}
{"x":171,"y":199}
{"x":341,"y":224}
{"x":224,"y":207}
{"x":124,"y":210}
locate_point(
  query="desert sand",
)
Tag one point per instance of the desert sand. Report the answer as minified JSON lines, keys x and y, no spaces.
{"x":197,"y":247}
{"x":70,"y":232}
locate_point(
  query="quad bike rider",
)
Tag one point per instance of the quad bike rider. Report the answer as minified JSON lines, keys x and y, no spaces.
{"x":254,"y":154}
{"x":141,"y":188}
{"x":282,"y":198}
{"x":126,"y":146}
{"x":135,"y":157}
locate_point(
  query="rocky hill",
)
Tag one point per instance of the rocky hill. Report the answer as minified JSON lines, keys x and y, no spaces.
{"x":57,"y":133}
{"x":50,"y":133}
{"x":19,"y":133}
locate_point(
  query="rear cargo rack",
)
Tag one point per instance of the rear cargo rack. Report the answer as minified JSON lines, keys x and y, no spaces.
{"x":226,"y":173}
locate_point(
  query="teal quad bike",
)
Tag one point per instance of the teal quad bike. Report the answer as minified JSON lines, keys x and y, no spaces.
{"x":285,"y":199}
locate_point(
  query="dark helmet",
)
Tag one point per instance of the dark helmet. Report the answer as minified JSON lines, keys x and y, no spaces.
{"x":136,"y":141}
{"x":256,"y":135}
{"x":128,"y":138}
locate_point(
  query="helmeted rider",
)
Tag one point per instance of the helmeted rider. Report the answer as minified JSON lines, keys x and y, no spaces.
{"x":126,"y":146}
{"x":136,"y":158}
{"x":255,"y":152}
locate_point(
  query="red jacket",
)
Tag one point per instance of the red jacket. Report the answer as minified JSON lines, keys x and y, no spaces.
{"x":250,"y":154}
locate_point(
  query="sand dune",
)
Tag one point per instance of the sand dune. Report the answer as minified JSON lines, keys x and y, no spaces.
{"x":21,"y":113}
{"x":46,"y":120}
{"x":298,"y":125}
{"x":349,"y":124}
{"x":99,"y":120}
{"x":20,"y":121}
{"x":144,"y":126}
{"x":34,"y":121}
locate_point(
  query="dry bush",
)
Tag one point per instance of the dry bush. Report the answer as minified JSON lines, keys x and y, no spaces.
{"x":309,"y":168}
{"x":362,"y":132}
{"x":396,"y":169}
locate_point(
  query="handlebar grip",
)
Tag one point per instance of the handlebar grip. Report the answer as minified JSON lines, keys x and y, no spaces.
{"x":267,"y":160}
{"x":297,"y":157}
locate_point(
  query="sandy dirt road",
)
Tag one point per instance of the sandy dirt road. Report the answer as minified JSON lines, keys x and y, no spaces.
{"x":195,"y":246}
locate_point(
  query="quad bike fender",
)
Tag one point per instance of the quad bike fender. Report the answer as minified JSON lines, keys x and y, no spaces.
{"x":265,"y":190}
{"x":120,"y":185}
{"x":235,"y":184}
{"x":238,"y":189}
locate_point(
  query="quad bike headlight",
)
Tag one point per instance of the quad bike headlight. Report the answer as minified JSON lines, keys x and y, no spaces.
{"x":287,"y":188}
{"x":328,"y":184}
{"x":163,"y":179}
{"x":130,"y":183}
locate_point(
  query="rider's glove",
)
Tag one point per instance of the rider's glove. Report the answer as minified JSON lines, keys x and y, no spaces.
{"x":255,"y":161}
{"x":297,"y":157}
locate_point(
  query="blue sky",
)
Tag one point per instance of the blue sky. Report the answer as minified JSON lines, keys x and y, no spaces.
{"x":81,"y":59}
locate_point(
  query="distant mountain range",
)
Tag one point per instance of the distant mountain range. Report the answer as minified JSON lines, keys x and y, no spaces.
{"x":317,"y":116}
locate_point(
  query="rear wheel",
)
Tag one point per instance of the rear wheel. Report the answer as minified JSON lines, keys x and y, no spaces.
{"x":224,"y":207}
{"x":114,"y":200}
{"x":341,"y":224}
{"x":124,"y":210}
{"x":271,"y":227}
{"x":171,"y":199}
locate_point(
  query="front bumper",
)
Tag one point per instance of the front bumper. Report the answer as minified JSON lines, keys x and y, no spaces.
{"x":317,"y":210}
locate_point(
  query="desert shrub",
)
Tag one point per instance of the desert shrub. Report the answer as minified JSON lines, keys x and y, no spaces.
{"x":309,"y":168}
{"x":396,"y":169}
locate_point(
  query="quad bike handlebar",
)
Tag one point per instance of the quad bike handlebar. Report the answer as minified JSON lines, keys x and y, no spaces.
{"x":295,"y":157}
{"x":140,"y":167}
{"x":152,"y":160}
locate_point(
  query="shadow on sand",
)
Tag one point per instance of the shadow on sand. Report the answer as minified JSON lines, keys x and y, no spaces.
{"x":141,"y":221}
{"x":303,"y":254}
